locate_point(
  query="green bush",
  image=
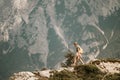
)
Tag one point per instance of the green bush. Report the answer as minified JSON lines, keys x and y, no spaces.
{"x":69,"y":59}
{"x":63,"y":75}
{"x":88,"y":72}
{"x":87,"y":68}
{"x":115,"y":76}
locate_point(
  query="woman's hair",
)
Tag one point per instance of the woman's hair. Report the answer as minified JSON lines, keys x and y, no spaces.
{"x":75,"y":43}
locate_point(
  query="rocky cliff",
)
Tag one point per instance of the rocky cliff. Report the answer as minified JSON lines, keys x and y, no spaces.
{"x":98,"y":69}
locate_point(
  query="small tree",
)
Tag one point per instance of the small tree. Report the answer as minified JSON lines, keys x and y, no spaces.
{"x":69,"y":59}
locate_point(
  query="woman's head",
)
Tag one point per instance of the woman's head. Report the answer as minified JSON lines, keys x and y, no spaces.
{"x":75,"y":43}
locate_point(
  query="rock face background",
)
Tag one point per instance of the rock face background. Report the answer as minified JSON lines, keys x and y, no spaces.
{"x":37,"y":33}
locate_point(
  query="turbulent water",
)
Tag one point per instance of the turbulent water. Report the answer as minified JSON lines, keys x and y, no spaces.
{"x":38,"y":33}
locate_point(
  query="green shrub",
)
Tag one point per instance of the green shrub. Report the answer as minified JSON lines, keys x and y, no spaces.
{"x":115,"y":76}
{"x":69,"y":59}
{"x":63,"y":75}
{"x":87,"y":68}
{"x":88,"y":72}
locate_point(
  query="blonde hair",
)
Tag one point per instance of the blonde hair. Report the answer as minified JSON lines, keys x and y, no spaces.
{"x":75,"y":43}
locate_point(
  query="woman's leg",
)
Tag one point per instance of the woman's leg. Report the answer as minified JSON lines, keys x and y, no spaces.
{"x":75,"y":60}
{"x":80,"y":58}
{"x":81,"y":61}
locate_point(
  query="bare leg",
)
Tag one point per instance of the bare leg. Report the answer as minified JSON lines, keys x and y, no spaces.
{"x":81,"y":61}
{"x":75,"y":60}
{"x":79,"y":58}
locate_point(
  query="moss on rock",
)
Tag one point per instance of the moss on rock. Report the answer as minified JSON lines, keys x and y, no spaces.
{"x":63,"y":75}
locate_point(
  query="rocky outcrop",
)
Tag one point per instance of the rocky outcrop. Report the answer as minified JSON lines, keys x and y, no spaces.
{"x":26,"y":75}
{"x":109,"y":66}
{"x":102,"y":69}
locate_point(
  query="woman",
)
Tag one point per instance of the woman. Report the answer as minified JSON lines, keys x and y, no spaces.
{"x":79,"y":51}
